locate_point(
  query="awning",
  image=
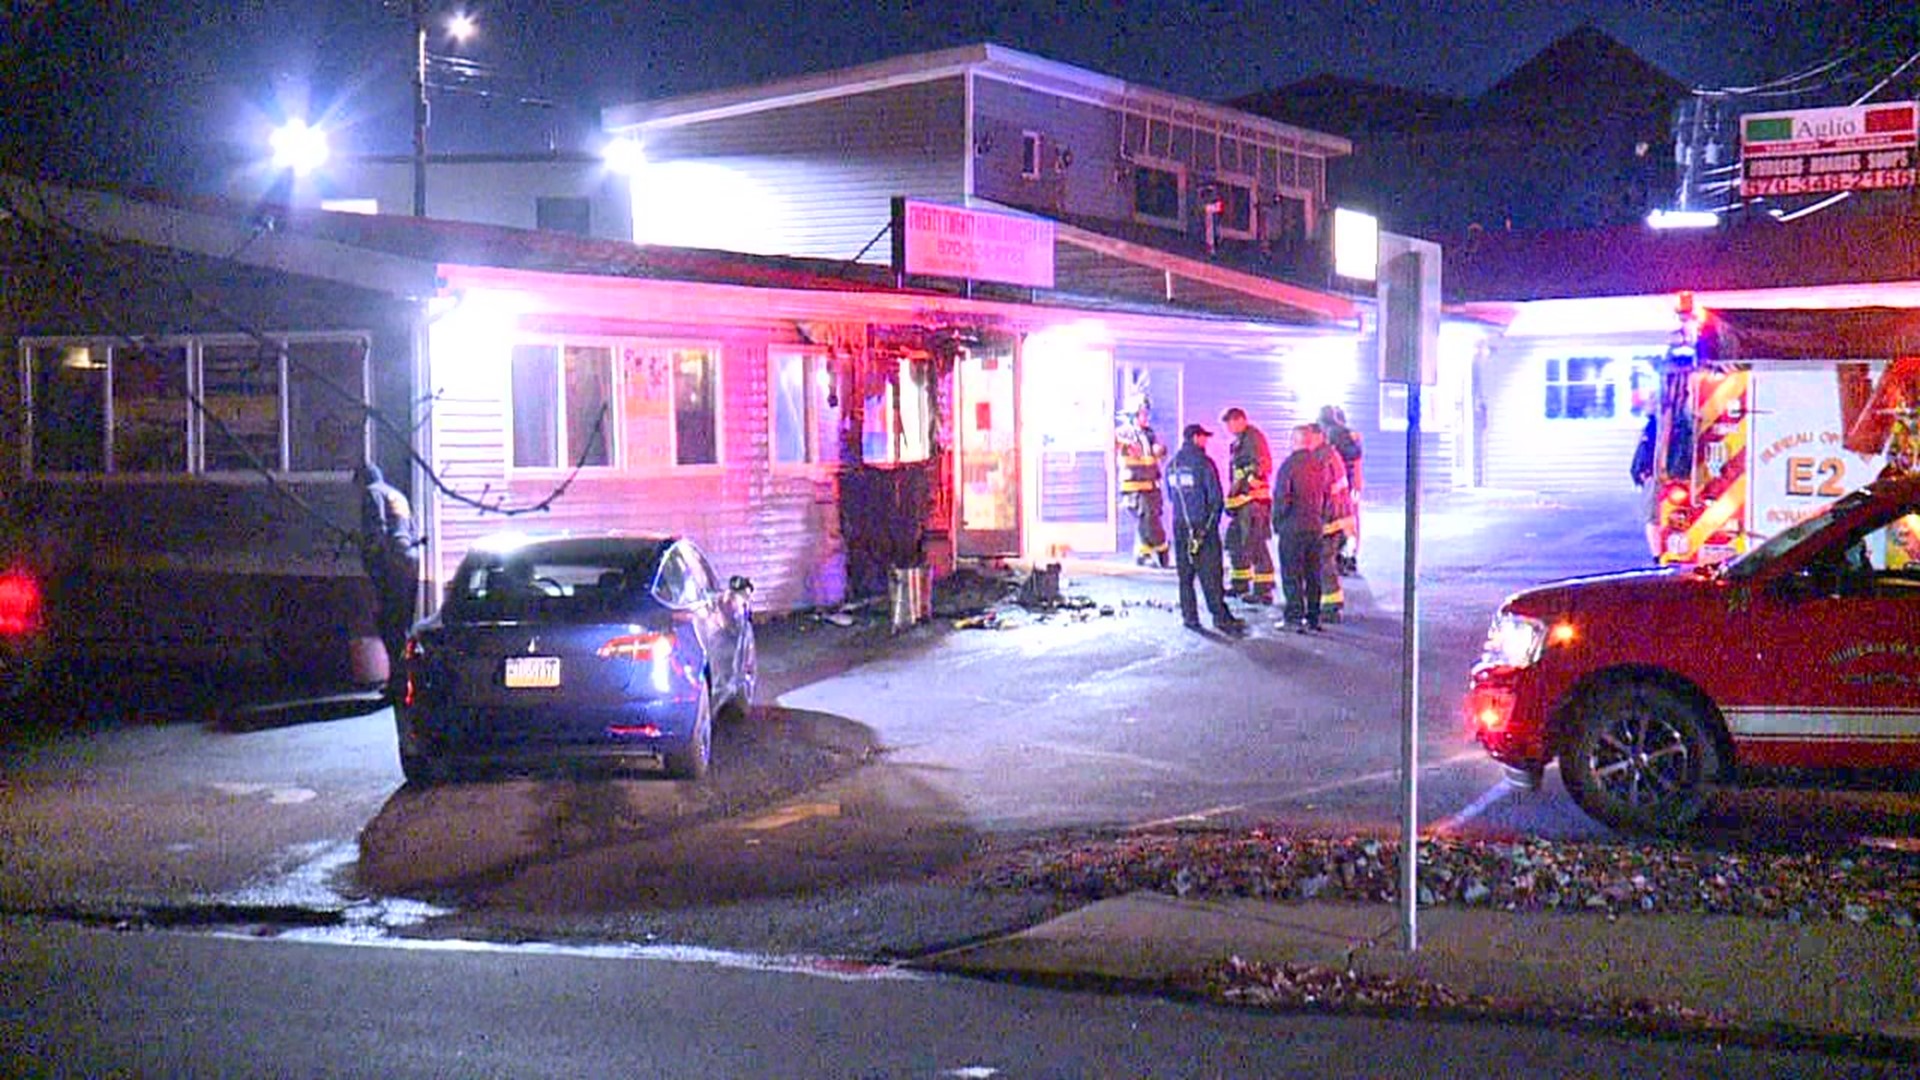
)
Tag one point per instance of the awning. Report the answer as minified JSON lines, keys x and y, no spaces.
{"x":1866,"y":333}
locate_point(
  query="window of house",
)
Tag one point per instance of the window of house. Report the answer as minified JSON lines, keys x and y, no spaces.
{"x":240,"y":388}
{"x":562,"y":400}
{"x":1602,"y":387}
{"x":896,"y":426}
{"x":1156,"y":195}
{"x":1577,"y":389}
{"x":802,"y":420}
{"x":69,"y":387}
{"x":1030,"y":154}
{"x":670,"y":404}
{"x":1236,"y":209}
{"x":567,"y":214}
{"x":198,"y":405}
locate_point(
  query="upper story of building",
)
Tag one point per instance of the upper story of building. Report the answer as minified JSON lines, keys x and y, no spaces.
{"x":809,"y":166}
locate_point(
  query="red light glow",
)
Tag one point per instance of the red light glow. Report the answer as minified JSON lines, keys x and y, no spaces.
{"x":644,"y":731}
{"x":647,"y":646}
{"x":19,"y":604}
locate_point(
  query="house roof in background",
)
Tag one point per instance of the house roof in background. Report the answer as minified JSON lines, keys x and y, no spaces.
{"x":1748,"y":254}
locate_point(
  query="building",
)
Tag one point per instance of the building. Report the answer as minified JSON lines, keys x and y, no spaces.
{"x":1156,"y":199}
{"x":195,"y":386}
{"x":1578,"y":321}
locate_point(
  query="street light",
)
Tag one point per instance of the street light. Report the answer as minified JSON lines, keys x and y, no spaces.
{"x":461,"y":26}
{"x":298,"y":148}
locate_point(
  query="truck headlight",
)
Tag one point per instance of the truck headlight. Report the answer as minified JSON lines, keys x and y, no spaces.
{"x":1513,"y":641}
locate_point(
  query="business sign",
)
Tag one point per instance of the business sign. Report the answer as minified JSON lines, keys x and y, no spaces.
{"x":1820,"y":151}
{"x":975,"y":245}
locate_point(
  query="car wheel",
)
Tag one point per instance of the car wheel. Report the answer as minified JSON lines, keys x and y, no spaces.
{"x":1642,"y":758}
{"x":691,"y":761}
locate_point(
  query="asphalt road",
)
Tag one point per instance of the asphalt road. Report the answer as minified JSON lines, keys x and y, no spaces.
{"x":877,"y":761}
{"x":85,"y":1003}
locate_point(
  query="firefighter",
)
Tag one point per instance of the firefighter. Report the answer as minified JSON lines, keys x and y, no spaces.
{"x":1250,"y":504}
{"x":1333,"y":595}
{"x":1141,"y":453}
{"x":1193,"y":486}
{"x":1346,"y":442}
{"x":1300,"y":491}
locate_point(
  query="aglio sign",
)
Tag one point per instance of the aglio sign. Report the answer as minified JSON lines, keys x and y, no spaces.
{"x":1818,"y":151}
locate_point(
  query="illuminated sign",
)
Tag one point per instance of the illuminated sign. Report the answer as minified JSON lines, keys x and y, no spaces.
{"x":1819,"y":151}
{"x":976,"y":245}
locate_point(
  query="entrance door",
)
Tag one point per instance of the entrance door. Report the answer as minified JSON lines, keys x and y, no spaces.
{"x":1067,"y":390}
{"x":987,"y":495}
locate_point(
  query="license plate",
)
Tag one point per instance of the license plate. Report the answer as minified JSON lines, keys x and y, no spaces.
{"x":532,"y":672}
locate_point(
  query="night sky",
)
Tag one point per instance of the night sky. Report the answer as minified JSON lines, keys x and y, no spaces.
{"x":145,"y":90}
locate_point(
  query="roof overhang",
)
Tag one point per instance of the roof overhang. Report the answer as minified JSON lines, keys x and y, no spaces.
{"x":1655,"y":314}
{"x":1319,"y":306}
{"x":251,"y":243}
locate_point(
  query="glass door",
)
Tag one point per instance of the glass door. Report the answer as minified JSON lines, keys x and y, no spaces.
{"x":987,"y":434}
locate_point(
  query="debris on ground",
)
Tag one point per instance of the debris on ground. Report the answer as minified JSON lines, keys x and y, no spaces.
{"x":1310,"y":986}
{"x":1860,"y":885}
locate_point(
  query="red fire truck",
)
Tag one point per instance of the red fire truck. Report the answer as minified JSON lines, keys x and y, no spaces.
{"x":1766,"y":416}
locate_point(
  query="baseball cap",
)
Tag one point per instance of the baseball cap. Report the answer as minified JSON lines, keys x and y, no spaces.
{"x":1193,"y":430}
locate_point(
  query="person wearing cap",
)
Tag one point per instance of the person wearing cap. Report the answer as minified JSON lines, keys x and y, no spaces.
{"x":1193,"y":487}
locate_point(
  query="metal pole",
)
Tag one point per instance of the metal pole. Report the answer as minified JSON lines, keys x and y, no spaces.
{"x":418,"y":10}
{"x":1410,"y":686}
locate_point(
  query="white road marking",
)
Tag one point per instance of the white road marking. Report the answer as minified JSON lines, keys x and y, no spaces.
{"x":1308,"y":792}
{"x":1452,"y":822}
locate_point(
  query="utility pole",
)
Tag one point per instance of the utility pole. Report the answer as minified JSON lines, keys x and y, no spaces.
{"x":417,"y":9}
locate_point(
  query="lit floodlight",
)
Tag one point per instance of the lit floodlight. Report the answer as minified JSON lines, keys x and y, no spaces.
{"x":624,"y":156}
{"x":1683,"y":219}
{"x":1356,"y":244}
{"x":298,"y":148}
{"x":462,"y":27}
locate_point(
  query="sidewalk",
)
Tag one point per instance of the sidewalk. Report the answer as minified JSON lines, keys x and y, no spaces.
{"x":1754,"y":977}
{"x":1767,"y":977}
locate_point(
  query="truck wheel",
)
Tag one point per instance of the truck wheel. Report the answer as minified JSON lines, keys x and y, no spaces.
{"x":1641,"y":759}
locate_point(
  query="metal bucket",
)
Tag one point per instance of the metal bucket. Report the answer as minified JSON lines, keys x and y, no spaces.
{"x":910,"y":596}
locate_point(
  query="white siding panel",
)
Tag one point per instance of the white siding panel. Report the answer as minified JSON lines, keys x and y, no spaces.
{"x":1527,"y":451}
{"x":816,"y":179}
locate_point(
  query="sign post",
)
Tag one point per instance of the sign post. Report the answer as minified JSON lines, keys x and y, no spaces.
{"x":1409,"y":297}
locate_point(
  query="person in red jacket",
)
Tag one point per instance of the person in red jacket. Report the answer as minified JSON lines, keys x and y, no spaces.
{"x":1302,"y":487}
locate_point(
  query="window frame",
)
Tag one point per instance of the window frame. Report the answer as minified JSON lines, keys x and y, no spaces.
{"x":1612,"y":385}
{"x":621,"y":453}
{"x":199,"y":430}
{"x":1180,"y":179}
{"x":815,"y":362}
{"x":1031,"y":146}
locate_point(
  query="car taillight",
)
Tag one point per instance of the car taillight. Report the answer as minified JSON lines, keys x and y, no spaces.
{"x":647,"y":646}
{"x":19,"y":603}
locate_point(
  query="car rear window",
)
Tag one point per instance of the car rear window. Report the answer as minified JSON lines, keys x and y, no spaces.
{"x":564,"y":585}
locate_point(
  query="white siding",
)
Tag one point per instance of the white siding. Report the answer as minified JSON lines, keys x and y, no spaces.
{"x":816,"y":179}
{"x":1525,"y":449}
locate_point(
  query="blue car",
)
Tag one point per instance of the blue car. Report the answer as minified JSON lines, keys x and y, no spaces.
{"x":554,"y":649}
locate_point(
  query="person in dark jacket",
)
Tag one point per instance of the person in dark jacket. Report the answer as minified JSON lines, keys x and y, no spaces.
{"x":1193,"y":487}
{"x":1301,"y":489}
{"x":389,"y":552}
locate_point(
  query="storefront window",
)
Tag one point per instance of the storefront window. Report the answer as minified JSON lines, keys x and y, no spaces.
{"x":801,"y":417}
{"x":150,"y":409}
{"x":670,"y":405}
{"x":896,"y":426}
{"x":69,"y":408}
{"x":562,"y":397}
{"x":199,"y":404}
{"x":240,"y":384}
